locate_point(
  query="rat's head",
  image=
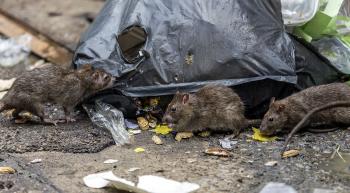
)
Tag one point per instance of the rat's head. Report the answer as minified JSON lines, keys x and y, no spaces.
{"x":275,"y":118}
{"x":97,"y":79}
{"x":179,"y":112}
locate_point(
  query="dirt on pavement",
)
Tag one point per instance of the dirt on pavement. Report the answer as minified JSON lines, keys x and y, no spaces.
{"x":244,"y":171}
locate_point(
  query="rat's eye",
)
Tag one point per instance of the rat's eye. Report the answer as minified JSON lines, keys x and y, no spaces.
{"x":271,"y":119}
{"x":173,"y":109}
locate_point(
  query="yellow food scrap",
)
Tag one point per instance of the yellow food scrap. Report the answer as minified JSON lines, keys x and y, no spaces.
{"x":290,"y":153}
{"x":259,"y":137}
{"x":183,"y":135}
{"x":7,"y":170}
{"x":204,"y":134}
{"x":143,"y":123}
{"x":163,"y":129}
{"x":139,"y":150}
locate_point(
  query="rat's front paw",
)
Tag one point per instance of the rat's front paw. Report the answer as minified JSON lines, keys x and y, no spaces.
{"x":70,"y":119}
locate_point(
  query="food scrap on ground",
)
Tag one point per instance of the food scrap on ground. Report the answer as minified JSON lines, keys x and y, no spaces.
{"x":139,"y":150}
{"x":183,"y":135}
{"x":217,"y":152}
{"x":290,"y":153}
{"x":162,"y":129}
{"x":204,"y":134}
{"x":259,"y":137}
{"x":157,"y":140}
{"x":7,"y":170}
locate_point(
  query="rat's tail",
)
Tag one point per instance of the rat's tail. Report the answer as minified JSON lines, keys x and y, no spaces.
{"x":309,"y":114}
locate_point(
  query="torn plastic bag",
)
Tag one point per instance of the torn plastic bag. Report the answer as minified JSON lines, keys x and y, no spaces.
{"x":106,"y":116}
{"x":188,"y":44}
{"x":335,"y":51}
{"x":156,"y":47}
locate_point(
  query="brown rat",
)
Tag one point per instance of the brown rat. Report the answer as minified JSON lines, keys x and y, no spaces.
{"x":214,"y":107}
{"x":283,"y":115}
{"x":54,"y":84}
{"x":304,"y":121}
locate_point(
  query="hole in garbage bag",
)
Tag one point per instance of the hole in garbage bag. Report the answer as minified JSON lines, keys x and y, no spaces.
{"x":131,"y":41}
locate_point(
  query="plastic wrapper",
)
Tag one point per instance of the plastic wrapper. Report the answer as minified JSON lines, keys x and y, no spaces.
{"x":345,"y":9}
{"x":106,"y":116}
{"x":336,"y":52}
{"x":298,"y":12}
{"x":14,"y":50}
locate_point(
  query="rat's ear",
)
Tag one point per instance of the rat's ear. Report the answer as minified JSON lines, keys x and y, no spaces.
{"x":272,"y":101}
{"x":85,"y":68}
{"x":95,"y":75}
{"x":185,"y":98}
{"x":280,"y":107}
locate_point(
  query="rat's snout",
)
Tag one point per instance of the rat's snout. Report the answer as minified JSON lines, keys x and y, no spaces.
{"x":265,"y":131}
{"x":167,"y":119}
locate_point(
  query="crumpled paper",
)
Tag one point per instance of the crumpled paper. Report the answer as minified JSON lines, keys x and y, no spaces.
{"x":146,"y":184}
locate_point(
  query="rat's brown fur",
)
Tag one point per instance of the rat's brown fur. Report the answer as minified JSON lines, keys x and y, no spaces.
{"x":310,"y":114}
{"x":214,"y":107}
{"x":283,"y":115}
{"x":54,"y":84}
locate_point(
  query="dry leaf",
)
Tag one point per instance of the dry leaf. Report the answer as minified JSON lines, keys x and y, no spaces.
{"x":143,"y":123}
{"x":290,"y":153}
{"x":259,"y":137}
{"x":217,"y":151}
{"x":183,"y":135}
{"x":204,"y":134}
{"x":157,"y":140}
{"x":7,"y":170}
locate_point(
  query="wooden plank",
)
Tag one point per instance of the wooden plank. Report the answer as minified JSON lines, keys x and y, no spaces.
{"x":40,"y":45}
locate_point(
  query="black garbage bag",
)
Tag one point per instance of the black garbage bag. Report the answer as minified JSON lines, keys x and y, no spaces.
{"x":156,"y":47}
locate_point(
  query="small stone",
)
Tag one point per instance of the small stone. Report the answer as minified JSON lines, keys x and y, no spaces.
{"x":133,"y":169}
{"x":191,"y":160}
{"x":271,"y":163}
{"x":110,"y":161}
{"x":36,"y":161}
{"x":327,"y":151}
